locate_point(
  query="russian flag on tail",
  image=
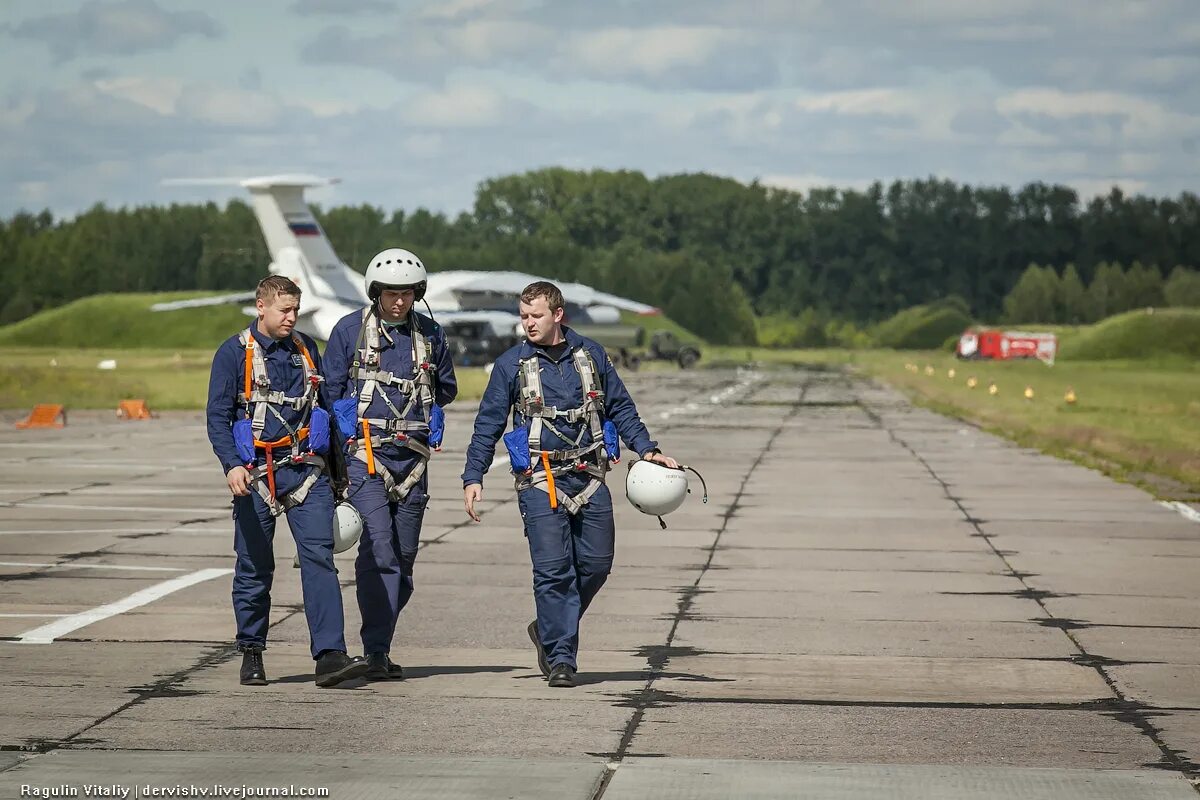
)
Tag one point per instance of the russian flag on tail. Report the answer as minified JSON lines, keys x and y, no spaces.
{"x":304,"y":228}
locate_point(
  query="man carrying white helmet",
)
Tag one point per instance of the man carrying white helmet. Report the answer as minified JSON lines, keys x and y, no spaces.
{"x":568,"y":407}
{"x":268,"y":422}
{"x":389,"y":374}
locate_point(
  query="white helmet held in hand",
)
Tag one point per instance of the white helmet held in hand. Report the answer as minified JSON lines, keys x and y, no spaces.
{"x":395,"y":268}
{"x":654,"y":489}
{"x":347,"y":527}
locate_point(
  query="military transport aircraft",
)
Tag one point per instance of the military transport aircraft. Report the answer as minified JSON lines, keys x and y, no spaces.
{"x":477,"y":308}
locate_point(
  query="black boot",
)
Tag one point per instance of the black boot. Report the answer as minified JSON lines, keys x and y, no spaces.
{"x":380,"y":667}
{"x":543,"y":664}
{"x":253,"y":673}
{"x":334,"y":666}
{"x":562,"y":676}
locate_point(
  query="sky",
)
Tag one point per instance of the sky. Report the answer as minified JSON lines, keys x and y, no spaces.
{"x":415,"y":103}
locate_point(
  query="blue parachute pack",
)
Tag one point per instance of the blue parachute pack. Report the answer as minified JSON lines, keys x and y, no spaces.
{"x":318,"y":431}
{"x":345,"y":412}
{"x":516,"y":442}
{"x":318,"y":436}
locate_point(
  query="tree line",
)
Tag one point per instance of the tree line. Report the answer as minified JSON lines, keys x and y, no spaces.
{"x":717,"y":255}
{"x":1044,"y":295}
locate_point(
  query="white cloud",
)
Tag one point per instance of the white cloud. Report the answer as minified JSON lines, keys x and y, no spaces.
{"x":460,"y":106}
{"x":807,"y":182}
{"x":484,"y":40}
{"x":123,"y":27}
{"x":339,"y":7}
{"x":622,"y":52}
{"x":1115,"y":118}
{"x":1088,"y":188}
{"x":226,"y":106}
{"x":158,"y":94}
{"x":862,"y":101}
{"x":455,"y":9}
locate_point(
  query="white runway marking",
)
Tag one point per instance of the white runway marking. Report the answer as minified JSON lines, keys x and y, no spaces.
{"x":173,"y":509}
{"x":1183,"y":508}
{"x":715,"y":399}
{"x":54,"y":446}
{"x":497,"y":461}
{"x":117,"y":491}
{"x":48,"y":633}
{"x":37,"y":532}
{"x":70,"y":565}
{"x":108,"y":465}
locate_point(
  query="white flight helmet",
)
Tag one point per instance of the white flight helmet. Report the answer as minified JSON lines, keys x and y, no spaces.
{"x":396,"y":268}
{"x":347,"y":527}
{"x":657,"y":490}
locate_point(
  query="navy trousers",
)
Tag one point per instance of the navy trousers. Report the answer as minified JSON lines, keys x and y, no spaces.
{"x":387,"y":552}
{"x":572,"y":556}
{"x":311,"y":523}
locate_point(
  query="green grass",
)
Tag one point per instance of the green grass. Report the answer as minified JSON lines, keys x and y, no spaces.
{"x":659,"y":322}
{"x":1137,"y":420}
{"x":166,"y":379}
{"x":126,"y":321}
{"x":1137,"y":334}
{"x":921,"y":327}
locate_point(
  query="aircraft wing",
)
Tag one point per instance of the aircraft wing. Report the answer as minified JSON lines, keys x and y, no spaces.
{"x":447,"y":288}
{"x":219,"y":300}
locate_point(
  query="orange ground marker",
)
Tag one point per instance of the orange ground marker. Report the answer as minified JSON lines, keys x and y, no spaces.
{"x":133,"y":409}
{"x":45,"y":415}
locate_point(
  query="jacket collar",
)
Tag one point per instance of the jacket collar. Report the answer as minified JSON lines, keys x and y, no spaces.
{"x":266,"y":342}
{"x":574,"y":341}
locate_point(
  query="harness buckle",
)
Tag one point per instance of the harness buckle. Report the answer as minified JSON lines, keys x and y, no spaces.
{"x":581,"y":467}
{"x":593,"y":395}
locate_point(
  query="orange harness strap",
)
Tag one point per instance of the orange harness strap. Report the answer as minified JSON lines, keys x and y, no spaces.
{"x":249,"y":363}
{"x":549,"y":479}
{"x":370,"y":451}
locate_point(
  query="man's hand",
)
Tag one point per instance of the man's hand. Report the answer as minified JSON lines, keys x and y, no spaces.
{"x":472,"y":494}
{"x":665,"y":460}
{"x":239,"y":481}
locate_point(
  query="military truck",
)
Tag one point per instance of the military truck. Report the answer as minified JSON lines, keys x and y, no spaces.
{"x":627,"y":347}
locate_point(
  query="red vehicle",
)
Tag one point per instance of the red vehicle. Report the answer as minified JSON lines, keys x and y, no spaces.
{"x":1003,"y":345}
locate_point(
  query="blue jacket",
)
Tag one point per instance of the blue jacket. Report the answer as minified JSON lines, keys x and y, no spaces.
{"x":227,"y":380}
{"x":395,"y":355}
{"x":562,"y":388}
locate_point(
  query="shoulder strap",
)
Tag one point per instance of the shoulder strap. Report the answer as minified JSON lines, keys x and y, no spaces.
{"x":257,"y":383}
{"x":593,"y":392}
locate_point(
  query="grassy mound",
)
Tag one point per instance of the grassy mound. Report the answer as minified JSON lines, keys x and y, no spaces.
{"x":126,"y":321}
{"x":922,"y":327}
{"x":1159,"y":333}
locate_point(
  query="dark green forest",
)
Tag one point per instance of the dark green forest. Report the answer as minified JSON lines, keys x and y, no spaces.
{"x":717,"y":255}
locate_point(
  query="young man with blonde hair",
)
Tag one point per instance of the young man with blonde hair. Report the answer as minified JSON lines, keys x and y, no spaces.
{"x":269,"y":427}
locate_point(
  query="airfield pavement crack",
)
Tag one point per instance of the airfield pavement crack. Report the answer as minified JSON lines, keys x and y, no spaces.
{"x":1127,"y":711}
{"x":660,"y":656}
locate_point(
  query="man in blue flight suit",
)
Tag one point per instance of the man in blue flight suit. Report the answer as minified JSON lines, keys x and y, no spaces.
{"x":568,"y":405}
{"x":268,"y":426}
{"x":388,"y":371}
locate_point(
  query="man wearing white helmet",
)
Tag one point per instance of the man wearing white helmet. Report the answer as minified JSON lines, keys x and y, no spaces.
{"x":389,"y":374}
{"x":568,"y":407}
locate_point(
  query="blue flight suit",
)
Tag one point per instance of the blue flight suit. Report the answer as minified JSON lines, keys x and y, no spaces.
{"x":311,"y":522}
{"x":572,"y":554}
{"x":387,"y":550}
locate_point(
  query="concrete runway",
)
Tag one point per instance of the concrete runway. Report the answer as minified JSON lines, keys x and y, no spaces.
{"x":876,"y":602}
